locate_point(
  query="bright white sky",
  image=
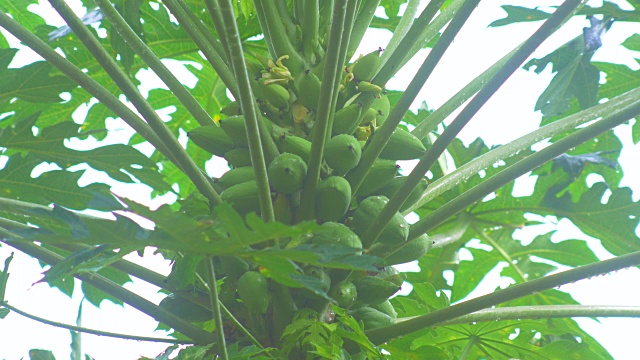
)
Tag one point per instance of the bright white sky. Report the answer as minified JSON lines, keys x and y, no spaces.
{"x":476,"y":48}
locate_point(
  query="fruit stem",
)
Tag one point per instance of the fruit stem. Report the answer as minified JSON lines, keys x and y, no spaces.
{"x":86,"y":82}
{"x":556,"y":128}
{"x":341,"y":23}
{"x":310,"y":23}
{"x":387,"y":333}
{"x":247,"y":102}
{"x":120,"y":25}
{"x":193,"y":332}
{"x":214,"y":53}
{"x":123,"y":81}
{"x":383,"y":134}
{"x":520,"y":168}
{"x":215,"y":306}
{"x":434,"y":152}
{"x":278,"y":36}
{"x":362,"y":21}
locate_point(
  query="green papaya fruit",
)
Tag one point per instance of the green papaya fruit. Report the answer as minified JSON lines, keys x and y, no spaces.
{"x":309,"y":90}
{"x":369,"y":117}
{"x":390,"y":189}
{"x":231,"y":109}
{"x":382,"y":107}
{"x":409,"y":251}
{"x":363,"y":133}
{"x":402,"y":145}
{"x":333,"y":197}
{"x":366,"y":66}
{"x":286,"y":173}
{"x":243,"y":197}
{"x":236,"y":176}
{"x":185,"y":309}
{"x":347,"y":118}
{"x":195,"y":206}
{"x":365,"y":86}
{"x":282,"y":209}
{"x":277,"y":95}
{"x":212,"y":139}
{"x":395,"y":233}
{"x":344,"y":293}
{"x":254,"y":292}
{"x":374,"y":290}
{"x":372,"y":318}
{"x":342,"y":153}
{"x":392,"y":274}
{"x":233,"y":266}
{"x":238,"y":157}
{"x":321,"y":275}
{"x":336,"y":233}
{"x":254,"y":68}
{"x":234,"y":127}
{"x":296,"y":145}
{"x":381,"y":173}
{"x":387,"y":308}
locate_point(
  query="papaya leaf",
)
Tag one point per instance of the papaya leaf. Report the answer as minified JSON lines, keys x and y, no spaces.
{"x":119,"y":161}
{"x":96,"y":296}
{"x":57,"y":186}
{"x":575,"y":75}
{"x":33,"y":83}
{"x":516,"y":14}
{"x":4,"y":277}
{"x":37,"y":354}
{"x":130,"y":11}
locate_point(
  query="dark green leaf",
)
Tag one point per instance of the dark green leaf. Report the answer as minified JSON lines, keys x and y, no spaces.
{"x":517,"y":14}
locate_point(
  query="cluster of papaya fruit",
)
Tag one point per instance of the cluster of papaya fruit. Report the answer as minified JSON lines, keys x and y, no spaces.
{"x":287,"y":106}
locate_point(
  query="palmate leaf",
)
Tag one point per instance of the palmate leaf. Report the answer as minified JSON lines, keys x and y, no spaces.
{"x":32,"y":83}
{"x":120,"y":162}
{"x":57,"y":186}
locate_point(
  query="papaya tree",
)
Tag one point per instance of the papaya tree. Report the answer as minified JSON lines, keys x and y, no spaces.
{"x":292,"y":252}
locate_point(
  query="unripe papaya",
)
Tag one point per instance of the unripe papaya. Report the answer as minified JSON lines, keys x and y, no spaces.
{"x":336,"y":233}
{"x":369,"y":117}
{"x":296,"y":145}
{"x":411,"y":250}
{"x":212,"y":139}
{"x":382,"y":107}
{"x":394,"y":233}
{"x":347,"y":118}
{"x":363,"y":133}
{"x":309,"y":90}
{"x":286,"y":173}
{"x":233,"y":266}
{"x":277,"y":95}
{"x":366,"y":66}
{"x":243,"y":197}
{"x":234,"y":127}
{"x":231,"y":109}
{"x":381,"y":173}
{"x":321,"y":275}
{"x":342,"y":153}
{"x":238,"y":157}
{"x":344,"y":293}
{"x":333,"y":197}
{"x":392,"y":274}
{"x":236,"y":176}
{"x":253,"y":291}
{"x":372,"y":318}
{"x":402,"y":145}
{"x":365,"y":86}
{"x":282,"y":209}
{"x":387,"y":308}
{"x":374,"y":290}
{"x":185,"y":309}
{"x":390,"y":189}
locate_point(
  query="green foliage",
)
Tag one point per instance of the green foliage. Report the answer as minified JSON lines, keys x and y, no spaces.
{"x":278,"y":282}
